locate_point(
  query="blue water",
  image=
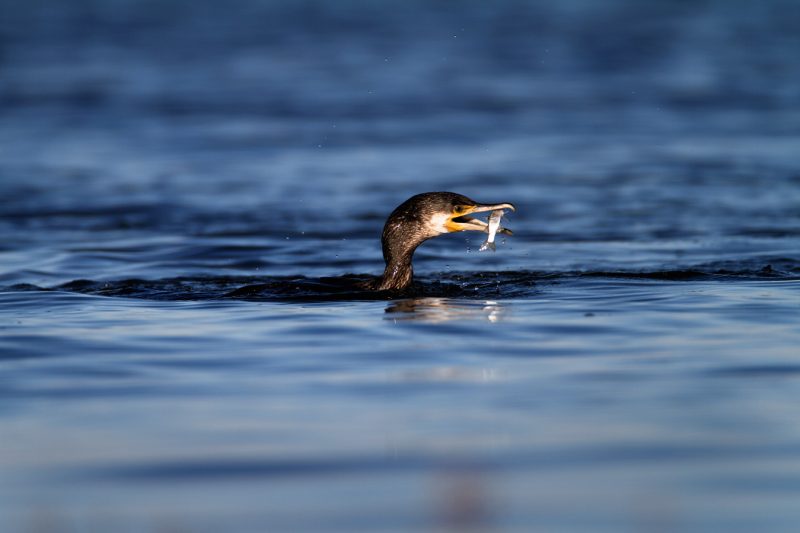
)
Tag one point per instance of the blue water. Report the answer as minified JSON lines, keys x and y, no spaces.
{"x":627,"y":361}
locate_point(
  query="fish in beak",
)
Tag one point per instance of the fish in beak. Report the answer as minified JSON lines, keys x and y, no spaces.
{"x":459,"y":219}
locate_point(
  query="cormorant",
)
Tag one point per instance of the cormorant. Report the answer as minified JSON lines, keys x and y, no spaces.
{"x":413,"y":222}
{"x":418,"y":219}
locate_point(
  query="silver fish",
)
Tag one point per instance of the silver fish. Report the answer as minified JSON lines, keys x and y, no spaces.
{"x":494,"y":225}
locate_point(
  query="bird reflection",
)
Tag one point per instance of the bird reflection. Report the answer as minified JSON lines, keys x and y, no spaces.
{"x":437,"y":310}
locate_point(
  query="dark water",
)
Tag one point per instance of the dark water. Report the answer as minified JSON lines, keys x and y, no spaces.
{"x":627,"y":361}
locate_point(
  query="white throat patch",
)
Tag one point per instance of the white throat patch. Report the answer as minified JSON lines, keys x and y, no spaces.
{"x":439,"y":222}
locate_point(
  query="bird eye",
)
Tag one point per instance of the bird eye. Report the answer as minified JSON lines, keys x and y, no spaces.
{"x":459,"y":209}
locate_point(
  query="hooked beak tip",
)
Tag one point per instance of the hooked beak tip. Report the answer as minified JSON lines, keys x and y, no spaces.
{"x":481,"y":208}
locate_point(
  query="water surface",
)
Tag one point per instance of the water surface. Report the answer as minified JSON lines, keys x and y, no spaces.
{"x":627,"y":361}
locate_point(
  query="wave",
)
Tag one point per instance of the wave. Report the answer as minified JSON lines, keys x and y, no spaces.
{"x":477,"y":285}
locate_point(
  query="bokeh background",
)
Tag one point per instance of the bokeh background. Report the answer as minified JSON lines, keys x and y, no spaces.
{"x":627,"y":361}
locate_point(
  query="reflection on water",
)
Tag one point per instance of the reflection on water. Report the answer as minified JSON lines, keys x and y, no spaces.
{"x":436,"y":310}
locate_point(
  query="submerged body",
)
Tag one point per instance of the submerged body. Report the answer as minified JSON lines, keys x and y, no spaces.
{"x":423,"y":217}
{"x":494,"y":225}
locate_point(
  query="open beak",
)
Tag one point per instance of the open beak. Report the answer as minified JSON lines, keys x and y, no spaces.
{"x":463,"y":222}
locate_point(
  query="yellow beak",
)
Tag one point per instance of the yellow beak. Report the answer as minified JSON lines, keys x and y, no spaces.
{"x":461,"y":222}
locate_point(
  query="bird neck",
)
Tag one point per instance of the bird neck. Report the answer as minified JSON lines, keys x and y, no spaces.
{"x":398,"y":274}
{"x":400,"y":239}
